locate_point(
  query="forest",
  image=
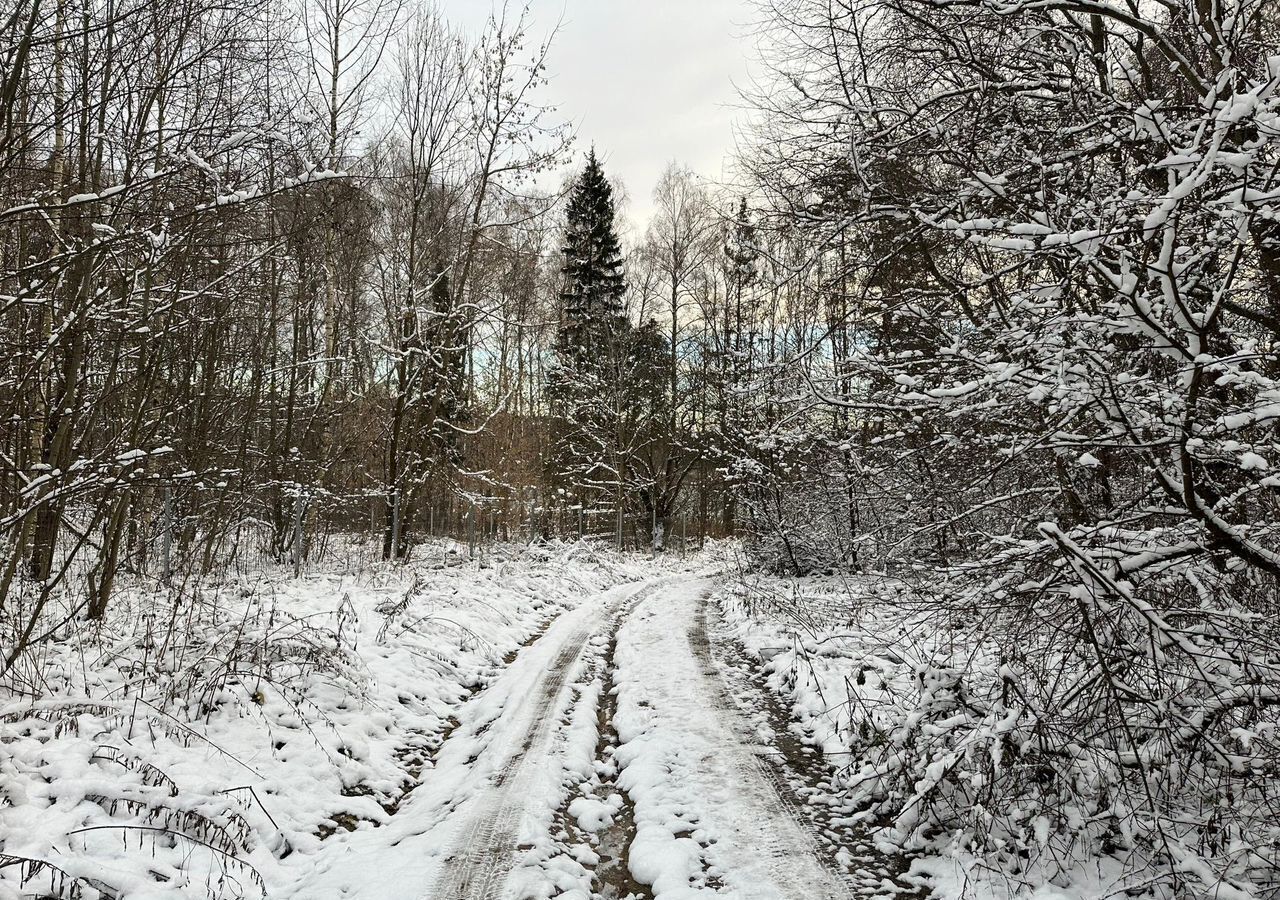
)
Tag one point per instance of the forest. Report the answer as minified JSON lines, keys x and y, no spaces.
{"x":966,"y":378}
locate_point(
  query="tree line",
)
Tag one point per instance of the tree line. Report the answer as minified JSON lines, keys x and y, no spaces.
{"x":275,"y":272}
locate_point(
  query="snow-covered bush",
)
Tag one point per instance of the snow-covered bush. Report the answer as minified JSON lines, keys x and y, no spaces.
{"x":1072,"y":738}
{"x":1078,"y":720}
{"x":1041,"y":313}
{"x":797,"y":506}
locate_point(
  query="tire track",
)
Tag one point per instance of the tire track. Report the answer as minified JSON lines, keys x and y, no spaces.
{"x":610,"y":876}
{"x":770,"y":777}
{"x":789,"y":763}
{"x":485,"y":852}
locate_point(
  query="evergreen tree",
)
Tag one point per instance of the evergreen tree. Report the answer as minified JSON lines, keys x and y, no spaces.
{"x":742,"y":253}
{"x":588,"y":385}
{"x":594,"y":283}
{"x":742,"y":250}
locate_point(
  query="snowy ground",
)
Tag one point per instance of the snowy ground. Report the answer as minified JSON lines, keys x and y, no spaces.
{"x":711,"y":820}
{"x":219,"y":740}
{"x":608,"y":760}
{"x":560,"y":722}
{"x":490,"y":802}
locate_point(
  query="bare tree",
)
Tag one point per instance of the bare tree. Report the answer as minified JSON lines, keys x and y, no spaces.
{"x":1025,"y":329}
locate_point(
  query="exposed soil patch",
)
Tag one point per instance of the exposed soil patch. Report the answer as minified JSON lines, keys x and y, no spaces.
{"x":612,"y":879}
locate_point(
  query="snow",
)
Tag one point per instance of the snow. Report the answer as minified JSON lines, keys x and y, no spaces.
{"x":286,"y":710}
{"x":709,"y":824}
{"x":497,"y":781}
{"x":437,"y":730}
{"x":905,"y":700}
{"x":1250,"y":461}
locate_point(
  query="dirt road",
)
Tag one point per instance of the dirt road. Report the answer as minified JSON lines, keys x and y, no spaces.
{"x":707,"y":815}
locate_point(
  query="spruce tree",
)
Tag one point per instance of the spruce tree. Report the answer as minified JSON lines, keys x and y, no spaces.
{"x":594,"y":283}
{"x":587,"y":386}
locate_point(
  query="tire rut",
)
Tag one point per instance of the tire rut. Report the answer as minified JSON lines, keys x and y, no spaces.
{"x":794,"y":770}
{"x":485,"y":852}
{"x":611,"y":877}
{"x":782,"y":796}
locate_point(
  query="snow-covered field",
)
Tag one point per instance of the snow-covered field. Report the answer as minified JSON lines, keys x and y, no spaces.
{"x":217,"y":740}
{"x":486,"y":816}
{"x":608,"y":761}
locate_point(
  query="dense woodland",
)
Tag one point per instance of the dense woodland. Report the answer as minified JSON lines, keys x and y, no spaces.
{"x":303,"y":279}
{"x":992,"y":308}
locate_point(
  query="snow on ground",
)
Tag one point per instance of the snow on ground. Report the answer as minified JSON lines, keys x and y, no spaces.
{"x":219,"y":738}
{"x":860,"y":667}
{"x":559,"y":722}
{"x":844,"y":659}
{"x":497,"y":784}
{"x":709,"y":821}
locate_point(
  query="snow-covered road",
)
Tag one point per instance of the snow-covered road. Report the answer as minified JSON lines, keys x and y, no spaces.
{"x":713,"y":818}
{"x":488,"y":820}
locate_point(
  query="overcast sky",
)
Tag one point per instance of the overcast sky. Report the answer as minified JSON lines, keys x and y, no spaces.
{"x":646,"y":81}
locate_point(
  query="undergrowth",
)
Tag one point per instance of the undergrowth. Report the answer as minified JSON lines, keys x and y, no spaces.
{"x":1079,"y":732}
{"x":102,"y":709}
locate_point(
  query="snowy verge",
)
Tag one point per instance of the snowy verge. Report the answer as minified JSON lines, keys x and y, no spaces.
{"x":936,"y":749}
{"x":205,"y":741}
